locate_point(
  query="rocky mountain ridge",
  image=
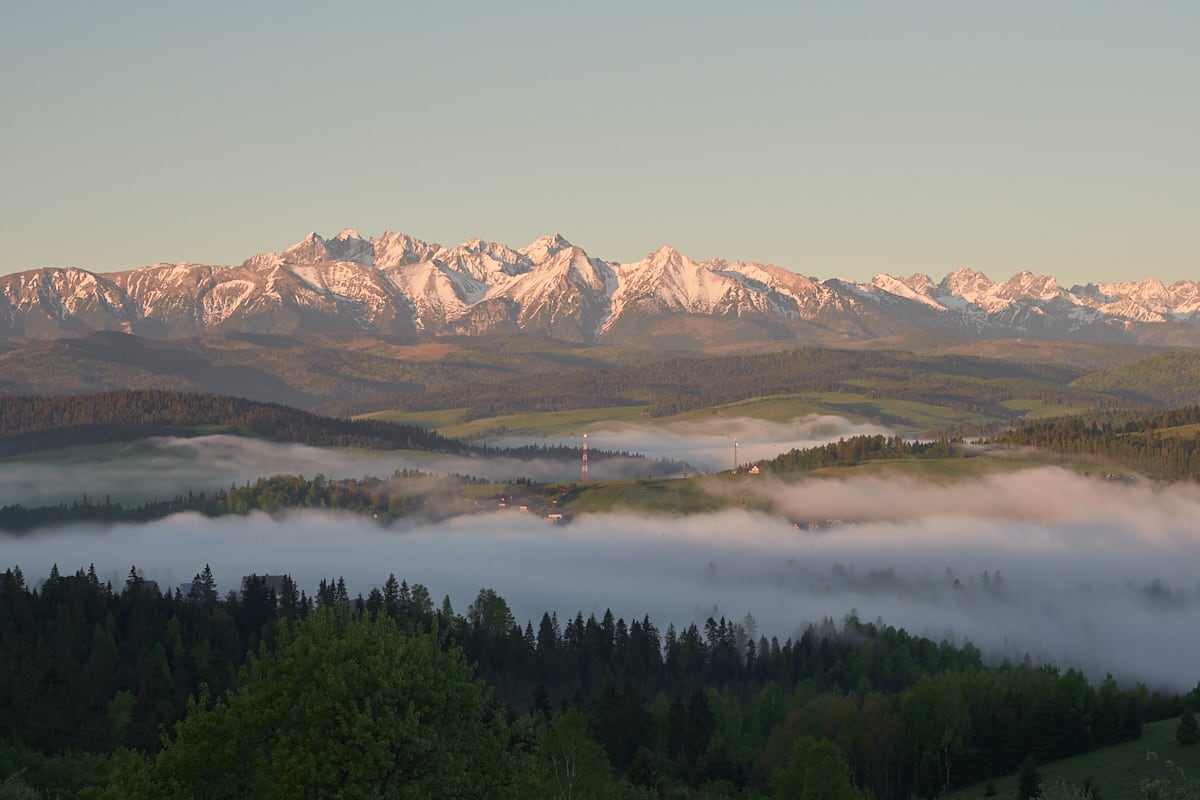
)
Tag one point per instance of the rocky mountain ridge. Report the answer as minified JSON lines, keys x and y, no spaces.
{"x":397,"y":284}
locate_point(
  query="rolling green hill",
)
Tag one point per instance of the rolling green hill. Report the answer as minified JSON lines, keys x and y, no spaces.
{"x":29,"y":424}
{"x":1169,"y":379}
{"x":488,"y":377}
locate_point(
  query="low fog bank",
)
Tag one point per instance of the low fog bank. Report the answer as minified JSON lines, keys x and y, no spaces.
{"x":1084,"y":573}
{"x":708,"y":445}
{"x":162,"y":467}
{"x":1043,"y":494}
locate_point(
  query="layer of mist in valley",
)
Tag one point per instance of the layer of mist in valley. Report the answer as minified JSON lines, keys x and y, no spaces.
{"x":1103,"y":580}
{"x":708,"y":445}
{"x":1042,"y":561}
{"x":162,"y":467}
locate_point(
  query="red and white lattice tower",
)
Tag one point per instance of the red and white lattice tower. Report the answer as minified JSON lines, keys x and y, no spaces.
{"x":584,"y":476}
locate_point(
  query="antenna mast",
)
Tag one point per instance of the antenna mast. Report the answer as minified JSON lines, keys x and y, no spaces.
{"x":584,"y":476}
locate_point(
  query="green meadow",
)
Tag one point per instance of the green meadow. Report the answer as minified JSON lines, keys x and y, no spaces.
{"x":903,"y":416}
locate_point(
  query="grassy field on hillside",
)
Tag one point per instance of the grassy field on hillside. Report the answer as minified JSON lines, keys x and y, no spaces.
{"x":1117,"y":772}
{"x":541,"y":424}
{"x":1181,"y":431}
{"x":903,"y":416}
{"x":533,"y":424}
{"x":426,"y":419}
{"x":993,"y":462}
{"x":1032,"y":407}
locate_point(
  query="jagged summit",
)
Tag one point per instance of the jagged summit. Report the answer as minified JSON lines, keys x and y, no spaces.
{"x":544,"y":247}
{"x":556,"y":240}
{"x":398,"y":284}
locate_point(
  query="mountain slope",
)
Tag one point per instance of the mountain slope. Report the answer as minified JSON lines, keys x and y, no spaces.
{"x":396,"y":284}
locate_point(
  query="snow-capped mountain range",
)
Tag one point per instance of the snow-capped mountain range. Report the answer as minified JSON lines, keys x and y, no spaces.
{"x":397,"y":284}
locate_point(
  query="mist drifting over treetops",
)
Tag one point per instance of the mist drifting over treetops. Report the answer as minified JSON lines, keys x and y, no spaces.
{"x":1094,"y":574}
{"x":161,"y":467}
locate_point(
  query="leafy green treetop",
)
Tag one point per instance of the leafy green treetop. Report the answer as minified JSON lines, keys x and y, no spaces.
{"x":570,"y":765}
{"x":347,"y":706}
{"x":815,"y":770}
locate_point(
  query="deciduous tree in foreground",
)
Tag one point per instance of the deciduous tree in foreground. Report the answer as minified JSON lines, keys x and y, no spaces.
{"x":347,"y":706}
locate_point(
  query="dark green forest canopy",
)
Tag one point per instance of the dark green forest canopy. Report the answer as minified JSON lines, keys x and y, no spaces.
{"x":28,"y":424}
{"x":1166,"y":379}
{"x":35,"y":423}
{"x":854,"y":450}
{"x":93,"y":669}
{"x":406,"y":493}
{"x":1164,"y":445}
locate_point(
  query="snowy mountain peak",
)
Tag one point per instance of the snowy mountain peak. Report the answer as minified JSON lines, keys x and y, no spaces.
{"x":666,"y":256}
{"x":966,"y":276}
{"x":346,"y":246}
{"x":488,"y":262}
{"x":398,"y":284}
{"x":394,"y":249}
{"x":310,"y":249}
{"x":917,"y":282}
{"x":544,"y":247}
{"x":918,"y":288}
{"x":1027,"y":285}
{"x":967,"y":283}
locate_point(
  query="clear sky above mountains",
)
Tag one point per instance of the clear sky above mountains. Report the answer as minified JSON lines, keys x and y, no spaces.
{"x":830,"y":138}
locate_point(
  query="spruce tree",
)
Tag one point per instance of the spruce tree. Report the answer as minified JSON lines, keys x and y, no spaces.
{"x":1187,"y":732}
{"x":208,"y":584}
{"x":1029,"y":784}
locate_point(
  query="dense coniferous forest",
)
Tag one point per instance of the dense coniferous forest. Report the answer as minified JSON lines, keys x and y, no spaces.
{"x":406,"y":493}
{"x":37,"y":423}
{"x":93,"y":675}
{"x":1144,"y":443}
{"x":1164,"y":445}
{"x":857,"y":449}
{"x":137,"y":690}
{"x":1171,"y":379}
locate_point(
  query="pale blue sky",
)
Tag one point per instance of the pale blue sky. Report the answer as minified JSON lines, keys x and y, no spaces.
{"x":835,"y":139}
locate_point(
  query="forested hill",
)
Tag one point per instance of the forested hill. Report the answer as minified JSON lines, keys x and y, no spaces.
{"x":96,"y":675}
{"x":37,"y":423}
{"x":1165,"y":445}
{"x":686,"y":383}
{"x":856,"y":450}
{"x":1168,"y":379}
